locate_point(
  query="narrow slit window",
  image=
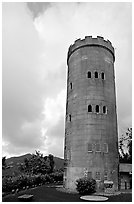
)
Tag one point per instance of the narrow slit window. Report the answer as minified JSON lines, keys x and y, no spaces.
{"x":97,"y":109}
{"x":104,"y":109}
{"x":89,"y":75}
{"x":90,"y":147}
{"x":96,"y":75}
{"x":66,"y":105}
{"x":98,"y":147}
{"x":98,"y":176}
{"x":70,"y":118}
{"x":71,"y":85}
{"x":89,"y":108}
{"x":102,"y":75}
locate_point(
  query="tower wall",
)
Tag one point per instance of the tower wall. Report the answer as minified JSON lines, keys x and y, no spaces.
{"x":91,"y":139}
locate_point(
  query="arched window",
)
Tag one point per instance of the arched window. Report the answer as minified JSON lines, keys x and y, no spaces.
{"x":96,"y":75}
{"x":89,"y":108}
{"x":97,"y":108}
{"x":89,"y":75}
{"x":104,"y":109}
{"x":102,"y":75}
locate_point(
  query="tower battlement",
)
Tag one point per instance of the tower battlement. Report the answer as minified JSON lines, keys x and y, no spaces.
{"x":90,"y":41}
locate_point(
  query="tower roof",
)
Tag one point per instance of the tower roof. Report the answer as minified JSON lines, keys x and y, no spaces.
{"x":90,"y":41}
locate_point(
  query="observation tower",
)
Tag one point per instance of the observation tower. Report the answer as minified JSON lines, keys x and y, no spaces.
{"x":91,"y":137}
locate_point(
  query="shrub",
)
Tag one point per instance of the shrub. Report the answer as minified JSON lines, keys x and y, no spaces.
{"x":85,"y":186}
{"x":48,"y":178}
{"x":57,"y":176}
{"x":30,"y":180}
{"x":43,"y":179}
{"x":14,"y":182}
{"x":6,"y":184}
{"x":23,"y":180}
{"x":38,"y":179}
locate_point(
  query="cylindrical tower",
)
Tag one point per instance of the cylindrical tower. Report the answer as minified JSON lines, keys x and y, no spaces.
{"x":91,"y":138}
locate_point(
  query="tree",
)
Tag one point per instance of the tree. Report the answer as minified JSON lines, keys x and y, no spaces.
{"x":125,"y":147}
{"x":51,"y":162}
{"x":3,"y":162}
{"x":38,"y":164}
{"x":129,"y":134}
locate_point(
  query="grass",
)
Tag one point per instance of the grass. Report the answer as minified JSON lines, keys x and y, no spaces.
{"x":50,"y":194}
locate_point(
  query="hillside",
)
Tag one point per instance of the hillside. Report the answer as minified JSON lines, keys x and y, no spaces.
{"x":59,"y":163}
{"x":14,"y":162}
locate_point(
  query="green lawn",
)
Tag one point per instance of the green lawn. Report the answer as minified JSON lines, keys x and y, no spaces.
{"x":50,"y":194}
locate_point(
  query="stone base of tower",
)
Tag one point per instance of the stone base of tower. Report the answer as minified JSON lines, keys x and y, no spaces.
{"x":71,"y":174}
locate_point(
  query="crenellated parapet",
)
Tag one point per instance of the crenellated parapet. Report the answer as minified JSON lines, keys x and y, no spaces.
{"x":90,"y":41}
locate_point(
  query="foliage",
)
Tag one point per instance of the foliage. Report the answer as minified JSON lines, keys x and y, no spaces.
{"x":85,"y":186}
{"x":10,"y":183}
{"x":7,"y":184}
{"x":51,"y":162}
{"x":35,"y":170}
{"x":125,"y":147}
{"x":57,"y":176}
{"x":38,"y":164}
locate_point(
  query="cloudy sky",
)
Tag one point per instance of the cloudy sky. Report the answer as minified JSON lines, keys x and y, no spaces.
{"x":35,"y":38}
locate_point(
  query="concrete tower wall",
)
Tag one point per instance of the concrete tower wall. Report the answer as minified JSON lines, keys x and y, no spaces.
{"x":91,"y":141}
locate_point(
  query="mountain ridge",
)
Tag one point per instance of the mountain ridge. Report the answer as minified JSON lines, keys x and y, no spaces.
{"x":19,"y":159}
{"x":13,"y":163}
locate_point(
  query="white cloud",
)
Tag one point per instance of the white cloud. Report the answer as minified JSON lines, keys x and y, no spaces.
{"x":55,"y":107}
{"x":22,"y":90}
{"x":54,"y":114}
{"x":34,"y":68}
